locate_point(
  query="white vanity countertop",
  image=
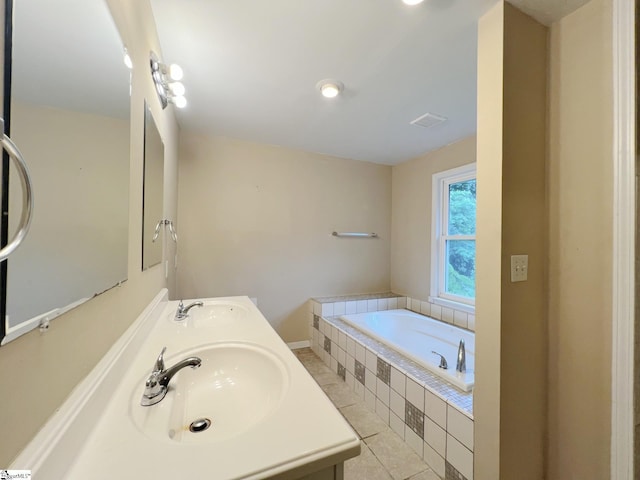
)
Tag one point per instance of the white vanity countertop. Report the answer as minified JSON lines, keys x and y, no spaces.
{"x":302,"y":433}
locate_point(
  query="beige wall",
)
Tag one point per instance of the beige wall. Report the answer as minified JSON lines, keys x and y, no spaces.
{"x":257,"y":220}
{"x":486,"y":400}
{"x":411,"y":215}
{"x":523,"y":345}
{"x":37,"y":372}
{"x":580,"y":244}
{"x":511,"y":324}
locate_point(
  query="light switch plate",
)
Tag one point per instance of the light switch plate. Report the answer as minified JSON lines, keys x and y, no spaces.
{"x":519,"y":268}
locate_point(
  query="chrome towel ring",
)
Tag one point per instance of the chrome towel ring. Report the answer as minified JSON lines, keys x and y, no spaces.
{"x":27,"y":195}
{"x":172,"y":230}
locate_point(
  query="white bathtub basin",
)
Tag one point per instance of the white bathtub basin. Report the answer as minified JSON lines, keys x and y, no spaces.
{"x":237,"y":386}
{"x":417,"y":337}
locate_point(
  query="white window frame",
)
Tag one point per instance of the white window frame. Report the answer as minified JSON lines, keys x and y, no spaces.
{"x":439,"y":218}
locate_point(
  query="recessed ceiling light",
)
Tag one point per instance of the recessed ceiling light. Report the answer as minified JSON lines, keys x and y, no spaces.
{"x":330,"y":88}
{"x":412,"y":2}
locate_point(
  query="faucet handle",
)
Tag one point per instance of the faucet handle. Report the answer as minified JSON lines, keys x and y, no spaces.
{"x":443,"y":361}
{"x":181,"y":307}
{"x":159,"y":366}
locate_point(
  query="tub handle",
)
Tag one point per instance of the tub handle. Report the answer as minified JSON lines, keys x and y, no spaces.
{"x":443,"y":361}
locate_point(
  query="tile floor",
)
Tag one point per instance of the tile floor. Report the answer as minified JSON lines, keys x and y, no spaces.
{"x":384,"y":455}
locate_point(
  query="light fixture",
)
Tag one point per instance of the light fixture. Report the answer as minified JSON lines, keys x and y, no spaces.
{"x":175,"y":72}
{"x":330,"y":88}
{"x":412,"y":2}
{"x":177,"y":88}
{"x":169,"y":89}
{"x":127,"y":59}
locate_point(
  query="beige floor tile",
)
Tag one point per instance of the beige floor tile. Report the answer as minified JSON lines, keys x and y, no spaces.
{"x":326,"y":378}
{"x":308,"y":358}
{"x":363,"y":420}
{"x":340,"y":393}
{"x":302,"y":351}
{"x":384,"y":456}
{"x":365,"y":467}
{"x":396,"y":456}
{"x":426,"y":475}
{"x":311,"y":359}
{"x":315,"y":366}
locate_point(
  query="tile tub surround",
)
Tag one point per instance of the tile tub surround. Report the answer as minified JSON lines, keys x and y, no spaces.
{"x":375,"y":302}
{"x":448,"y":315}
{"x":369,"y":302}
{"x":433,"y":417}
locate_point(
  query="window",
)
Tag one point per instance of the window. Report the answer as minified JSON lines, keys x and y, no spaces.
{"x":453,"y":238}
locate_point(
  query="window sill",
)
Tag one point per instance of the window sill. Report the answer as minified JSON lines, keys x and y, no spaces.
{"x":462,"y":307}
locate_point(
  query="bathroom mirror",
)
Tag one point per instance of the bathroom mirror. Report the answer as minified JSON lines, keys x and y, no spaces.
{"x":152,"y":196}
{"x":69,"y":115}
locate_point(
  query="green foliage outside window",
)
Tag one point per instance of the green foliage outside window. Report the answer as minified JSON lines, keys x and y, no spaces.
{"x":461,"y":254}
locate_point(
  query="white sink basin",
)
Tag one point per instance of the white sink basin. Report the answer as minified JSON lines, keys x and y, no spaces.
{"x":238,"y":386}
{"x":216,"y":315}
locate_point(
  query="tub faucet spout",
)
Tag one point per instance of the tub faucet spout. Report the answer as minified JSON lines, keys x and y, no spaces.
{"x":461,"y":364}
{"x":183,"y":312}
{"x":157,"y":384}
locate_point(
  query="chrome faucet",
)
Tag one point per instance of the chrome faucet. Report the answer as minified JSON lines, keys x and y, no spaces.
{"x":183,"y":312}
{"x":157,"y":384}
{"x":443,"y":361}
{"x":461,"y":364}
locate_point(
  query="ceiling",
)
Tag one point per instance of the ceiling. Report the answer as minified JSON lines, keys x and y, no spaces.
{"x":548,"y":11}
{"x":251,"y":67}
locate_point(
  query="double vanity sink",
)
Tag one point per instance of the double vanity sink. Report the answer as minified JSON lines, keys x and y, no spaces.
{"x":247,"y":409}
{"x":236,"y":387}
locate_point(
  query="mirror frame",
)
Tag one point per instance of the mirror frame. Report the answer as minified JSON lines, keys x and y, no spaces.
{"x":4,"y":202}
{"x":149,"y":121}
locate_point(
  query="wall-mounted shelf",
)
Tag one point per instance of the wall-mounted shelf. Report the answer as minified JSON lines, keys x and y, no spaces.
{"x":355,"y":234}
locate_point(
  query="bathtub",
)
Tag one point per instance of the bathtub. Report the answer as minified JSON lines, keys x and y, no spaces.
{"x":416,"y":336}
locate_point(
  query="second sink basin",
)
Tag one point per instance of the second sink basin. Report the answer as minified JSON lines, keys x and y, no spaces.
{"x":237,"y":387}
{"x":215,"y":315}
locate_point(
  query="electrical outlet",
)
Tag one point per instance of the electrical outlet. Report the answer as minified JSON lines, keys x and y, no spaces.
{"x":519,"y":268}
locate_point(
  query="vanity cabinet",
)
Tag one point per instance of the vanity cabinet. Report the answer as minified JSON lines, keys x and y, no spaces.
{"x":269,"y":418}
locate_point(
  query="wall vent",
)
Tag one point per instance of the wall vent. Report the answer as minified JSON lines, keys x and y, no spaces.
{"x":428,"y":120}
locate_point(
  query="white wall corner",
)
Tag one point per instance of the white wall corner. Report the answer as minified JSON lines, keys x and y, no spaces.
{"x":624,"y":204}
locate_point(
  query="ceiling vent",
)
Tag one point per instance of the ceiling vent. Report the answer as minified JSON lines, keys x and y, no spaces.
{"x":428,"y":120}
